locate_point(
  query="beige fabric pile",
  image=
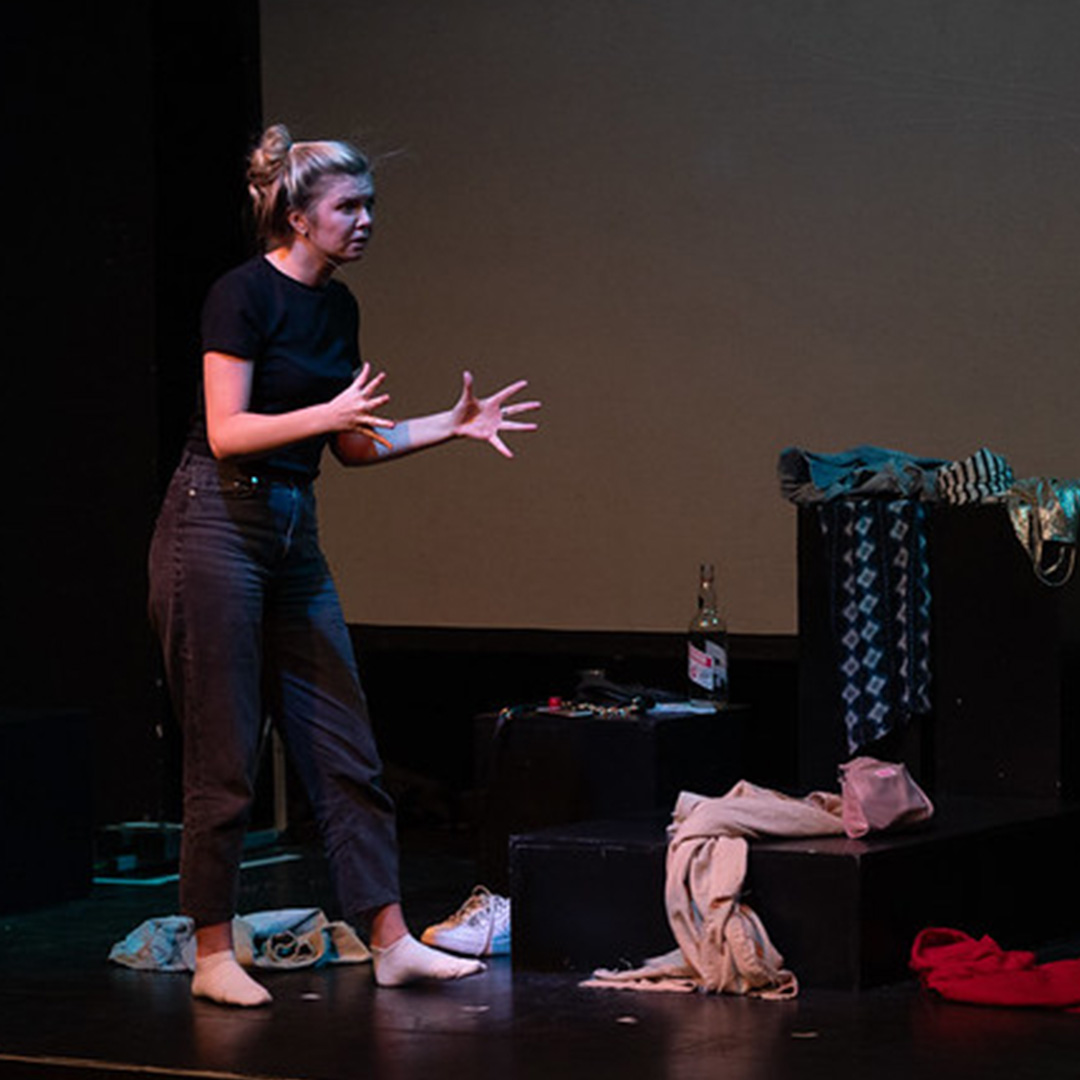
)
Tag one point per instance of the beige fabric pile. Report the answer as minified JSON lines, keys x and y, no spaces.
{"x":723,"y":946}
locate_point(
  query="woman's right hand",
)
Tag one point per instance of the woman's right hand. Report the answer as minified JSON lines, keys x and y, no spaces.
{"x":233,"y":430}
{"x":355,"y":408}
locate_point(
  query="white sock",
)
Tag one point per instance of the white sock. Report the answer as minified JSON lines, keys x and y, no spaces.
{"x":408,"y":960}
{"x":218,"y":977}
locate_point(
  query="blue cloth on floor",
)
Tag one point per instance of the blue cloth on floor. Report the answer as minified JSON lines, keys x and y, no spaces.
{"x":284,"y":938}
{"x":161,"y":944}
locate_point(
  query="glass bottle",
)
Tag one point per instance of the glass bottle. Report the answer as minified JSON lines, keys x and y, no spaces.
{"x":707,"y":646}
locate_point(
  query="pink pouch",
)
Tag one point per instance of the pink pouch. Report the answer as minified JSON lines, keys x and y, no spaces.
{"x":880,"y":795}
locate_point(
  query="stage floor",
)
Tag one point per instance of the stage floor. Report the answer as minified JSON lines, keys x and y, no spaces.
{"x":65,"y":1011}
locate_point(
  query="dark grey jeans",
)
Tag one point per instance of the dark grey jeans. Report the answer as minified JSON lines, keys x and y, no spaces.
{"x":250,"y":625}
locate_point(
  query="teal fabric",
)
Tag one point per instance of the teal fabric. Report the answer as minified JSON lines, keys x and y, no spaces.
{"x":809,"y":477}
{"x":286,"y":938}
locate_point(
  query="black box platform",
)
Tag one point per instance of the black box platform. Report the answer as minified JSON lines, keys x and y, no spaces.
{"x":844,"y":913}
{"x":543,"y":768}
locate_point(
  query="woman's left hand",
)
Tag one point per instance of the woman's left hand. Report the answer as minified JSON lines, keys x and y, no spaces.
{"x":486,"y":418}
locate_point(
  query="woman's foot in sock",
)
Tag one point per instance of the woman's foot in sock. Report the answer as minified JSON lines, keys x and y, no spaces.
{"x":408,"y":960}
{"x":218,"y":977}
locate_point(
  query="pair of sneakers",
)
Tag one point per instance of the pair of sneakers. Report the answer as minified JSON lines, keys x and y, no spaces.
{"x":480,"y":927}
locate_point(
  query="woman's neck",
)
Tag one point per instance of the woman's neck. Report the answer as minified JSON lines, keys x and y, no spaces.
{"x":300,"y":262}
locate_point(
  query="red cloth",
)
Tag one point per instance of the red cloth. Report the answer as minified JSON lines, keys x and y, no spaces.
{"x":962,"y":969}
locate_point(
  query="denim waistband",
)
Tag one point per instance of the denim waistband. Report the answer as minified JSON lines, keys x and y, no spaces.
{"x":252,"y":472}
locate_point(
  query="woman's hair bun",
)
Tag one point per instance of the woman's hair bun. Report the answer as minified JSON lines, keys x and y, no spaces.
{"x":269,"y":157}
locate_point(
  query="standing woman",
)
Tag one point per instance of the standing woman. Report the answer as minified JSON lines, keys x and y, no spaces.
{"x":240,"y":593}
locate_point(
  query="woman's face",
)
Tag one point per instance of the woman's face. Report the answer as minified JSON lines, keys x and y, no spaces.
{"x":339,"y":220}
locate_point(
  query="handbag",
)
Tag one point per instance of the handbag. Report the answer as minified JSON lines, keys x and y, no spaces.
{"x":1045,"y":515}
{"x":878,"y":795}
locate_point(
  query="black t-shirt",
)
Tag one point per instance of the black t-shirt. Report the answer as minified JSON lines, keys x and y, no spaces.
{"x":303,"y":341}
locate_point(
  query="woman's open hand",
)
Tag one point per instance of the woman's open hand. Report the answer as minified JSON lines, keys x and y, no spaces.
{"x":486,"y":418}
{"x":355,"y":408}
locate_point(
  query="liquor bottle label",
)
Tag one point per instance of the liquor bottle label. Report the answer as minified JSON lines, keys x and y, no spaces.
{"x":707,"y":667}
{"x":700,"y":668}
{"x":718,"y":655}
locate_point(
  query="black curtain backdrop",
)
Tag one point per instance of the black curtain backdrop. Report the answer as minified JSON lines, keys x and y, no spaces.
{"x":122,"y":121}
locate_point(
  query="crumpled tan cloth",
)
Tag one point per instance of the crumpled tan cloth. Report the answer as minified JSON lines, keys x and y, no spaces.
{"x":723,"y":946}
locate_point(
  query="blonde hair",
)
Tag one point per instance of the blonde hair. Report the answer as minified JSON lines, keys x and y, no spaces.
{"x":284,"y":176}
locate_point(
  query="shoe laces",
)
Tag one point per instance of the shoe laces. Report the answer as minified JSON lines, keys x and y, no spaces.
{"x":479,"y":903}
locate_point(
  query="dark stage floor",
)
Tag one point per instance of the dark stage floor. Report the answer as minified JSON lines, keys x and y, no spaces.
{"x":66,"y":1012}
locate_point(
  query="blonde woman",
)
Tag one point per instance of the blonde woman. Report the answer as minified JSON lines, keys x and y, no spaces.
{"x":240,"y":593}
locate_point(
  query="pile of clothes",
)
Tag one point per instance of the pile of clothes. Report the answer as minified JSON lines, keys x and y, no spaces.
{"x":872,"y":505}
{"x":723,"y":946}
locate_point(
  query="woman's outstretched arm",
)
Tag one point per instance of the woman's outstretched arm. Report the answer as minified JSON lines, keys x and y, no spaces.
{"x":471,"y":417}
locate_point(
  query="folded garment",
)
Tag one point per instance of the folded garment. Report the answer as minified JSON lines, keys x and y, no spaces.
{"x":961,"y":968}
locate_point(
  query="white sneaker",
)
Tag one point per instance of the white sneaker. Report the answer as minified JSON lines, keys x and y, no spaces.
{"x":480,"y":927}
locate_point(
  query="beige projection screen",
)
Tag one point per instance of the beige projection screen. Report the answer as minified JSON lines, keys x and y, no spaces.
{"x":705,"y":230}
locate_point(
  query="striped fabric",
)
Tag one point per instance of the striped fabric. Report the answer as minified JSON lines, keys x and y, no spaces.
{"x":983,"y":477}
